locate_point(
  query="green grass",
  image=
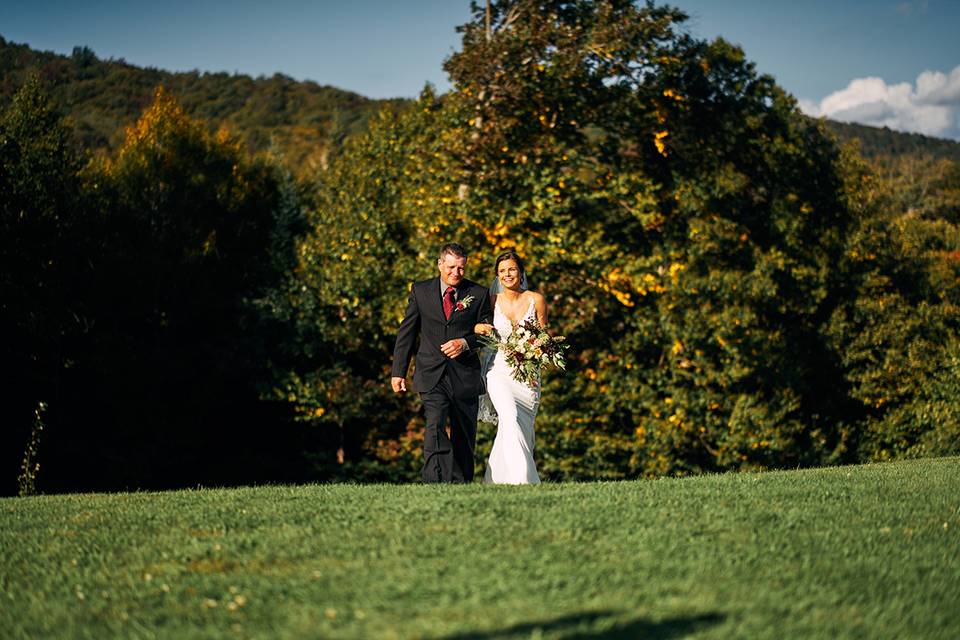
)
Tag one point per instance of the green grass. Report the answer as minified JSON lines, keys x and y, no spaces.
{"x":850,"y":552}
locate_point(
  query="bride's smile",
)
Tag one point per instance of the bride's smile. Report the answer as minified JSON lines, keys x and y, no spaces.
{"x":509,"y":273}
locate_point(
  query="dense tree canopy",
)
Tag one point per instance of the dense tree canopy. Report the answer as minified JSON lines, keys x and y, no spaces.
{"x":689,"y":226}
{"x":41,"y":310}
{"x":130,"y":299}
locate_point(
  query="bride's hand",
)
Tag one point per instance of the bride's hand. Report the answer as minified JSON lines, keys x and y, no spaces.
{"x":483,"y":329}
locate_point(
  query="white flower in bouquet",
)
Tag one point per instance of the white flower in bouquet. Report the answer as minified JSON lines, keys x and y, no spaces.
{"x":527,"y":348}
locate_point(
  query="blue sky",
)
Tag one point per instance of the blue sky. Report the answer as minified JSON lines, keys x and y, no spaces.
{"x":885,"y":62}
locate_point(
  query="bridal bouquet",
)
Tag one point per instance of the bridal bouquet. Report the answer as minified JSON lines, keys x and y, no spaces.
{"x":527,"y":348}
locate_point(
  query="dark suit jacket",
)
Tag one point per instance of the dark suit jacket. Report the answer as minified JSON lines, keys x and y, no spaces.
{"x":424,"y":318}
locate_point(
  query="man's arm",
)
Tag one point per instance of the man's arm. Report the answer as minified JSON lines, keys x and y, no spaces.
{"x":406,"y":338}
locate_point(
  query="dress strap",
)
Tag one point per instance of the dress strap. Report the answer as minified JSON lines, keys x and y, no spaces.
{"x":532,"y":307}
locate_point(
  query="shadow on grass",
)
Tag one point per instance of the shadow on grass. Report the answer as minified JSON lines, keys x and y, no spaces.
{"x":599,"y":625}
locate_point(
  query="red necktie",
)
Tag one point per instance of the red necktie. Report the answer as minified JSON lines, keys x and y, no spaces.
{"x":448,"y":302}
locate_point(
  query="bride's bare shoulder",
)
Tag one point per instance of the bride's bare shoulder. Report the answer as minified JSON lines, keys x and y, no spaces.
{"x":535,"y":296}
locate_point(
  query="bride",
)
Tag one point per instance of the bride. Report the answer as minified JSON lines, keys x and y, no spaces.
{"x":511,"y":459}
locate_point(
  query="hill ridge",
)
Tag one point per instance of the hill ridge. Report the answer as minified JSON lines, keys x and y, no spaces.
{"x":302,"y":118}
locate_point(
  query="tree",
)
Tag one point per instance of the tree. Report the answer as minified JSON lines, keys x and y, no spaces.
{"x":710,"y":213}
{"x":41,"y":261}
{"x":682,"y":217}
{"x":367,"y":240}
{"x":895,"y":333}
{"x":190,"y":233}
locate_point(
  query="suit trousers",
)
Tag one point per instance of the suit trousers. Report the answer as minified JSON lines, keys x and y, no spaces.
{"x":448,"y":459}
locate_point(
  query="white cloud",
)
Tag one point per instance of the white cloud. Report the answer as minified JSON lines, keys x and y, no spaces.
{"x":918,"y":6}
{"x":934,"y":87}
{"x":931,"y":106}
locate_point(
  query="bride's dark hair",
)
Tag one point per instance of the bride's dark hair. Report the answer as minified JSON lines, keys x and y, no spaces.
{"x":509,"y":254}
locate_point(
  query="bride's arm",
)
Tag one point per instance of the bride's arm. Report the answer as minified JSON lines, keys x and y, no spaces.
{"x":540,"y":304}
{"x":484,"y":328}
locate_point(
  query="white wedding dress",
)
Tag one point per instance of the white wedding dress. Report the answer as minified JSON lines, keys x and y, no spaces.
{"x":511,"y":459}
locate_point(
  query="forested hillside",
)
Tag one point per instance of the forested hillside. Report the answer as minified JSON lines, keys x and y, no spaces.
{"x":101,"y":97}
{"x":875,"y":142}
{"x":300,"y":120}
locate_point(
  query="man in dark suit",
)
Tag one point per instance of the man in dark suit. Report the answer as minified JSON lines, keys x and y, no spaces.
{"x":442,"y":312}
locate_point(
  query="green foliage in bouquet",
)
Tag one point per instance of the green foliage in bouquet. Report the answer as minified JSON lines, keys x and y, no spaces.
{"x":527,"y":349}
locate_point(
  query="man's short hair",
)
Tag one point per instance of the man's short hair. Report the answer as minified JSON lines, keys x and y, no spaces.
{"x":453,"y":249}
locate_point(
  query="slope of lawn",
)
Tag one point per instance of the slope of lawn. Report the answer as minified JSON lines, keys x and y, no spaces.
{"x":848,"y":552}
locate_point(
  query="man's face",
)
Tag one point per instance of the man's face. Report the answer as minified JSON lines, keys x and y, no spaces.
{"x":451,"y":269}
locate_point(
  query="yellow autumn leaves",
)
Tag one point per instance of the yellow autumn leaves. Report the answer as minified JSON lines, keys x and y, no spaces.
{"x":623,"y":286}
{"x":660,"y":136}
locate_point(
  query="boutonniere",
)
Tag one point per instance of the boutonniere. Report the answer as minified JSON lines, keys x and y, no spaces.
{"x":463,"y":304}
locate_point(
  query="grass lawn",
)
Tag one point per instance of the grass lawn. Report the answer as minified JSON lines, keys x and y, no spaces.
{"x":850,"y":552}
